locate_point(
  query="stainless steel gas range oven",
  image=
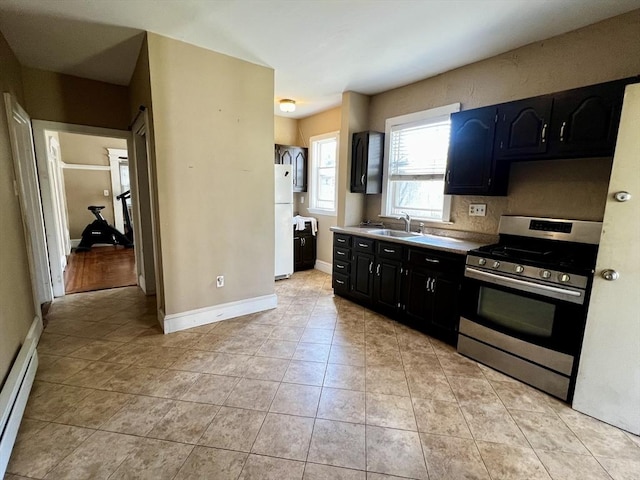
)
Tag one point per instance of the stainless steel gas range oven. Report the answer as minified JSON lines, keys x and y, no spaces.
{"x":525,"y":300}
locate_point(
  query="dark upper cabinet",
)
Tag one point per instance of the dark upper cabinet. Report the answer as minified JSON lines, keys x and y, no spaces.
{"x":366,"y":162}
{"x":585,"y":120}
{"x":523,"y":127}
{"x":471,"y":167}
{"x":297,"y":158}
{"x":575,"y":123}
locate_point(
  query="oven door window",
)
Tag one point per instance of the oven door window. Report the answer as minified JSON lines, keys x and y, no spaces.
{"x":516,"y":313}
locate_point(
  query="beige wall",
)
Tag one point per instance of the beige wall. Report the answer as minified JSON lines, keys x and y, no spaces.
{"x":319,"y":124}
{"x":285,"y":130}
{"x":88,"y":149}
{"x":214,"y":133}
{"x":593,"y":54}
{"x":64,"y":98}
{"x":86,"y":187}
{"x":16,"y":295}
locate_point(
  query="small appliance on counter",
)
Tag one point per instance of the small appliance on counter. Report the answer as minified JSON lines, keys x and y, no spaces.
{"x":525,"y":300}
{"x":283,"y":214}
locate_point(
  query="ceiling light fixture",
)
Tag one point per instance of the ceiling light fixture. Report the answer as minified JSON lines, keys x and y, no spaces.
{"x":287,"y":105}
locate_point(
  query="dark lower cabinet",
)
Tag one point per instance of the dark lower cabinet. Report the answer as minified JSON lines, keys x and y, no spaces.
{"x":304,"y":249}
{"x":386,"y":284}
{"x":432,"y":285}
{"x":362,"y":276}
{"x":417,"y":286}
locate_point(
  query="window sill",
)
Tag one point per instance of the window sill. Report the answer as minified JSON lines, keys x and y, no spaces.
{"x":326,"y":213}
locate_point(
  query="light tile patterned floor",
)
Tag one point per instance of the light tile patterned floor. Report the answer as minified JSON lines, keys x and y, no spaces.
{"x":318,"y":388}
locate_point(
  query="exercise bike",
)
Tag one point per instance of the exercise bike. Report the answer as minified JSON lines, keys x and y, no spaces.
{"x":99,"y":231}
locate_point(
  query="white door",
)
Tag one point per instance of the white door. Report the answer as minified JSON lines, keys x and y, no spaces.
{"x":53,"y":206}
{"x":608,"y":383}
{"x":24,"y":159}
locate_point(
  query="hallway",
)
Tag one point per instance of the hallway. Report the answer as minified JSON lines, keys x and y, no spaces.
{"x":318,"y":388}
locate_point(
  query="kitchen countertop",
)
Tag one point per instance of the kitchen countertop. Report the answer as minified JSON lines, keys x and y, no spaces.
{"x":435,"y":242}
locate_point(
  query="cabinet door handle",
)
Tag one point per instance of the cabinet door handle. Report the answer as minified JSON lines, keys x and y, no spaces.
{"x":303,"y":241}
{"x":388,"y":250}
{"x":378,"y":270}
{"x":363,"y":245}
{"x":433,"y":285}
{"x":428,"y":284}
{"x":371,"y":267}
{"x":448,"y":177}
{"x":431,"y":260}
{"x":544,"y":133}
{"x":362,"y":179}
{"x":564,"y":124}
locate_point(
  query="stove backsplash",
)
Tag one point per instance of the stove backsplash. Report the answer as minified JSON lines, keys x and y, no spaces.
{"x":575,"y":189}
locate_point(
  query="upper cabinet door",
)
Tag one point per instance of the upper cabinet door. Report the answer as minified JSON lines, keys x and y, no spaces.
{"x":585,"y":121}
{"x":299,"y":167}
{"x":523,"y":128}
{"x":366,"y":162}
{"x":470,"y":160}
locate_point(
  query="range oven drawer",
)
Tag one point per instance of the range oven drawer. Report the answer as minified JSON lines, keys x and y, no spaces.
{"x":553,"y":383}
{"x":558,"y":361}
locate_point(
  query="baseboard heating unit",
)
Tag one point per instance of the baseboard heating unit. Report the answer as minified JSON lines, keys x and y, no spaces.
{"x":15,"y":392}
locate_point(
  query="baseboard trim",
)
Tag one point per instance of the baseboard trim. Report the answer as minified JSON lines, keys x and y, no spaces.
{"x":324,"y":266}
{"x":194,"y":318}
{"x":75,"y":242}
{"x":15,"y":392}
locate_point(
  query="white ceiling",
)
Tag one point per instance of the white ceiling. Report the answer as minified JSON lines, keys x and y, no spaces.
{"x":318,"y":48}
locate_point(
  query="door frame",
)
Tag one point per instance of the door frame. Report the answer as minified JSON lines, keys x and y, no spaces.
{"x":28,"y":191}
{"x":46,"y":180}
{"x":143,"y":195}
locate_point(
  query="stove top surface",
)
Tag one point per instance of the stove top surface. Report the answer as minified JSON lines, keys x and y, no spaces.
{"x":565,"y":256}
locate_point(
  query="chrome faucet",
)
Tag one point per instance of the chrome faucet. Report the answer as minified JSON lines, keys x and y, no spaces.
{"x":404,"y":216}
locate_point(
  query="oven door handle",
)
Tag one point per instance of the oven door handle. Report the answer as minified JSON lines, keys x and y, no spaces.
{"x":573,"y":296}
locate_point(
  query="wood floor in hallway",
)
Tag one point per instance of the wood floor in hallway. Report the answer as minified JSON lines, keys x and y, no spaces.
{"x":100,"y":268}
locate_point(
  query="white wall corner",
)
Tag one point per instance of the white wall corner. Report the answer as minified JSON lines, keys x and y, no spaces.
{"x":194,"y":318}
{"x":324,"y":267}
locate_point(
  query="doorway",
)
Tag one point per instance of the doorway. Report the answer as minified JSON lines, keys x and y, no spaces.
{"x":79,"y":167}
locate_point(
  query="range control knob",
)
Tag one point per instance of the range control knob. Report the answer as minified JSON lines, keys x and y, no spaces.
{"x":564,"y":277}
{"x":519,"y":269}
{"x":545,"y":274}
{"x":482,"y":261}
{"x":496,"y":264}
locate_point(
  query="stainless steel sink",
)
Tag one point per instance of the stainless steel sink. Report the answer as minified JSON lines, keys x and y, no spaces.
{"x":386,"y":232}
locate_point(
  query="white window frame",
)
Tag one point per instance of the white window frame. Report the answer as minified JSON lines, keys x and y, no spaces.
{"x":313,"y":174}
{"x":435,"y":114}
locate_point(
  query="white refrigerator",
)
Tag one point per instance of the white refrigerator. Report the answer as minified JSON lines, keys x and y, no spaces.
{"x":284,"y":221}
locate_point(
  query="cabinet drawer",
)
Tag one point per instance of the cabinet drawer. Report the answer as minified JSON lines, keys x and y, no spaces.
{"x":436,"y":260}
{"x":389,"y":250}
{"x":343,"y":254}
{"x":363,"y":244}
{"x":340,"y":283}
{"x":340,"y":266}
{"x":341,"y":240}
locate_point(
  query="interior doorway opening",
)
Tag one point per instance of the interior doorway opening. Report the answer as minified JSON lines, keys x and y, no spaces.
{"x":81,"y":167}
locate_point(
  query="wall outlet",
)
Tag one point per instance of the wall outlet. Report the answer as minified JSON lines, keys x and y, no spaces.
{"x":477,"y":209}
{"x":220,"y":281}
{"x":301,"y":199}
{"x":106,"y":193}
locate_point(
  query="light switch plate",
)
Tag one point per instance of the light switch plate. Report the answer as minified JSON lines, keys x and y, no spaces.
{"x":478,"y":210}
